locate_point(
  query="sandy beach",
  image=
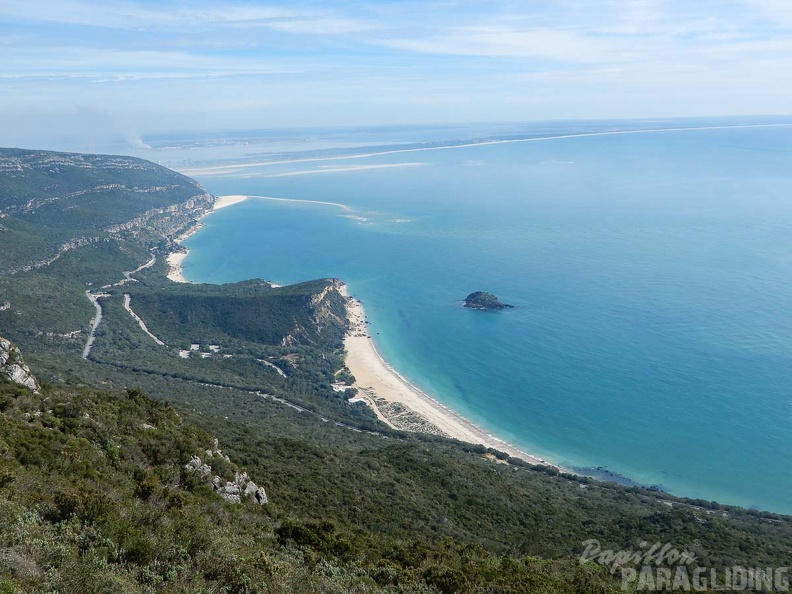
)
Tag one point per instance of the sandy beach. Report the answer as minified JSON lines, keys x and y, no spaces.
{"x":224,"y":201}
{"x":390,"y":394}
{"x":175,"y":259}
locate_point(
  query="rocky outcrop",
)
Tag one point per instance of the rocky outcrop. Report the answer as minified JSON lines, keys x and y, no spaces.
{"x":324,"y":304}
{"x":296,"y":336}
{"x":62,"y":250}
{"x":241,"y":488}
{"x":169,"y":221}
{"x":13,"y":367}
{"x":484,"y":301}
{"x":196,"y":465}
{"x":327,"y":314}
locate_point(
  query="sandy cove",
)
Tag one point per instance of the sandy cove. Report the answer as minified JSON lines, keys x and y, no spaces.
{"x":175,"y":272}
{"x":175,"y":259}
{"x":389,"y":394}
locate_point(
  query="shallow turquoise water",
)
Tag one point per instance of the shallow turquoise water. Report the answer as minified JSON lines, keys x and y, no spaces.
{"x":652,"y":276}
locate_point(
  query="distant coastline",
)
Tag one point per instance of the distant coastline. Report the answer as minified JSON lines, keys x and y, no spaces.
{"x":230,"y":168}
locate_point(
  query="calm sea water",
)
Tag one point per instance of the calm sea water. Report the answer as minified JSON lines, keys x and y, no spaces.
{"x":652,"y":275}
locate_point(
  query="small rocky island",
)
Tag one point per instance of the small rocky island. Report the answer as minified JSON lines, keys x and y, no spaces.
{"x":482,"y":300}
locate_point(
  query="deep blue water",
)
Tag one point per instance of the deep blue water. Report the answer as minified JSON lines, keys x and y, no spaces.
{"x":652,"y":275}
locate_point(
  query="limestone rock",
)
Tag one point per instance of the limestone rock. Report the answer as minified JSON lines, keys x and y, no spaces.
{"x":197,"y":465}
{"x":234,"y":491}
{"x":13,"y":367}
{"x":260,"y":496}
{"x":251,"y":488}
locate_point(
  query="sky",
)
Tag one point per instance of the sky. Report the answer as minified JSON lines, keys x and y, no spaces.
{"x":77,"y":68}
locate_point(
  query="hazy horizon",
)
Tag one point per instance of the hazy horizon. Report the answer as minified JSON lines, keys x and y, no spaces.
{"x":87,"y":72}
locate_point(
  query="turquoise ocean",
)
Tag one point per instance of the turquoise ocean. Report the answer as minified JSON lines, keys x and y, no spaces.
{"x":651,"y":274}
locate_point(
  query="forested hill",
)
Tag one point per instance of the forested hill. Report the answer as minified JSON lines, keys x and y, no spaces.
{"x":51,"y":203}
{"x":127,"y":376}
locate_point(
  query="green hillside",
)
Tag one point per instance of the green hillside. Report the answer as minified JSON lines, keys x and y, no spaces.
{"x":238,"y":313}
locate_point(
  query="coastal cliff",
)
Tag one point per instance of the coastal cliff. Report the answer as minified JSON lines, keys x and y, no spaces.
{"x":52,"y":204}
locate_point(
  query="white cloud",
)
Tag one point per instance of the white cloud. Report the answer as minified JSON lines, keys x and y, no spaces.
{"x":240,"y":64}
{"x":84,"y":62}
{"x":779,"y":11}
{"x":510,"y":42}
{"x":129,"y":15}
{"x":200,"y":15}
{"x":322,"y":26}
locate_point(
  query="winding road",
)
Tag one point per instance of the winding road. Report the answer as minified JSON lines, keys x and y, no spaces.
{"x":95,"y":322}
{"x":97,"y":319}
{"x":141,"y":323}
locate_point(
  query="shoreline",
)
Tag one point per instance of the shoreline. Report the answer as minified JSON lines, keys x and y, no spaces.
{"x":176,"y":259}
{"x":175,"y":272}
{"x":388,"y":392}
{"x":396,"y":401}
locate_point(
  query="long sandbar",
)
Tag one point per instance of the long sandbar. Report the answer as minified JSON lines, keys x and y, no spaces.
{"x":235,"y":167}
